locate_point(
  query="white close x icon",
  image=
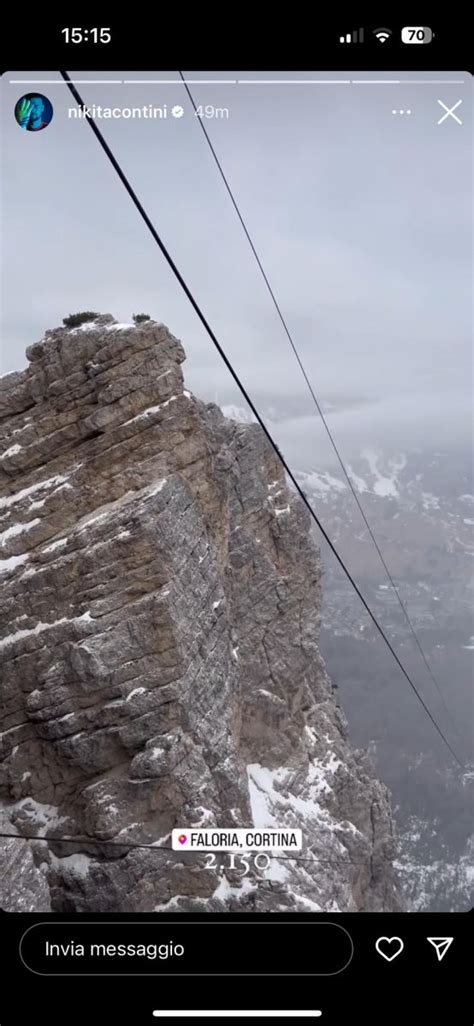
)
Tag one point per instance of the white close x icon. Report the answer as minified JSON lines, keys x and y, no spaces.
{"x":449,"y":112}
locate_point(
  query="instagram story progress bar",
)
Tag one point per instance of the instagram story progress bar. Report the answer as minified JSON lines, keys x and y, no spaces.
{"x":239,"y":1014}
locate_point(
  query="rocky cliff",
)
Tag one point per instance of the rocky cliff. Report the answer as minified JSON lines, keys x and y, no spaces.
{"x":161,"y":608}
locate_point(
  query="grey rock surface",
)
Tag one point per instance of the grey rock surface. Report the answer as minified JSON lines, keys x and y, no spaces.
{"x":23,"y":876}
{"x":161,"y":602}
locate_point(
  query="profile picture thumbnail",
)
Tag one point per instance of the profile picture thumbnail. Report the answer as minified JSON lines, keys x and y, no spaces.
{"x":33,"y":111}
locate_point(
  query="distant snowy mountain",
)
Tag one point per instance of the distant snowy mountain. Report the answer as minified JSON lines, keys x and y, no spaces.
{"x":421,"y":510}
{"x":320,"y":483}
{"x":408,"y":477}
{"x":241,"y":414}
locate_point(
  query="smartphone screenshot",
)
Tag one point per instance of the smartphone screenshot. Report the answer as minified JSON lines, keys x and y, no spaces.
{"x":236,"y":525}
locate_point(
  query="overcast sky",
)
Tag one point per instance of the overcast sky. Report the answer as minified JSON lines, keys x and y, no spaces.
{"x":362,"y":218}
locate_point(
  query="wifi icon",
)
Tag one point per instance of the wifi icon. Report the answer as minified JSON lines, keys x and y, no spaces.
{"x":382,"y":34}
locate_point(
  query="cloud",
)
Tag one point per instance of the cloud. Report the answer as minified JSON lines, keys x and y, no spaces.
{"x":363,"y":225}
{"x":397,"y":422}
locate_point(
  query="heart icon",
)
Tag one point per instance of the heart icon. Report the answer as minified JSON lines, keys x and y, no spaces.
{"x":389,"y":947}
{"x":182,"y":838}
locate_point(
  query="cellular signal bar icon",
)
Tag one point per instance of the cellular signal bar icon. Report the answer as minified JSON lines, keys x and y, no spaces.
{"x":357,"y":36}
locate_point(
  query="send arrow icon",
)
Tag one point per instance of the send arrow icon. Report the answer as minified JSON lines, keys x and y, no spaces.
{"x":441,"y":945}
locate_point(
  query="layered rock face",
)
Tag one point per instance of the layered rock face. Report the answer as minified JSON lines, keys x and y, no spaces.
{"x":161,"y":603}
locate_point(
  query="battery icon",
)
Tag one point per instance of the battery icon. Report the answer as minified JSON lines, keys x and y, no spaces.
{"x":416,"y":34}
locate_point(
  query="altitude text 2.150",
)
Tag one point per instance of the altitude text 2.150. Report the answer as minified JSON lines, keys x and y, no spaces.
{"x":87,"y":35}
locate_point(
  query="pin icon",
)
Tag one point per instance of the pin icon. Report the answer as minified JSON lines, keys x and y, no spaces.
{"x":182,"y":838}
{"x":389,"y":947}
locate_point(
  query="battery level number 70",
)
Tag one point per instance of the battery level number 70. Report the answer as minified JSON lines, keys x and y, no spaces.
{"x":209,"y":111}
{"x":416,"y":34}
